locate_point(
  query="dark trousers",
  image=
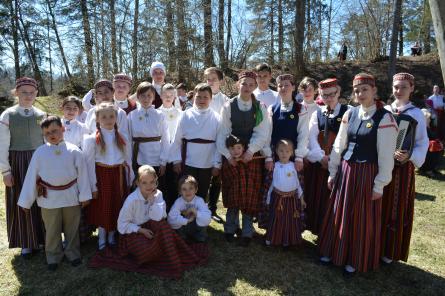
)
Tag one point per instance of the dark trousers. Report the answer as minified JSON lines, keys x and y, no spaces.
{"x":193,"y":231}
{"x":203,"y":177}
{"x":170,"y":192}
{"x":214,"y":191}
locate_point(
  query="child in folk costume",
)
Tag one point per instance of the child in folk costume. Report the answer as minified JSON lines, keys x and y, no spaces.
{"x":181,"y":91}
{"x":247,"y":119}
{"x":88,"y":100}
{"x":74,"y":130}
{"x":398,"y":196}
{"x":289,"y":121}
{"x":172,"y":116}
{"x":57,"y":178}
{"x":323,"y":128}
{"x":149,"y":132}
{"x":364,"y":147}
{"x":108,"y":154}
{"x":190,"y":100}
{"x":435,"y":149}
{"x":308,"y":87}
{"x":190,"y":215}
{"x":437,"y":103}
{"x":215,"y":77}
{"x":122,"y":85}
{"x":147,"y":243}
{"x":194,"y":150}
{"x":24,"y":230}
{"x":157,"y":73}
{"x":263,"y":93}
{"x":104,"y":92}
{"x":284,"y":200}
{"x":82,"y":116}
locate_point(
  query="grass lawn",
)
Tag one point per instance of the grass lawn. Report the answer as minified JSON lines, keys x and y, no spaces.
{"x":233,"y":270}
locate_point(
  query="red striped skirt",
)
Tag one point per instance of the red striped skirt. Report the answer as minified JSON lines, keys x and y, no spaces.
{"x":25,"y":230}
{"x":166,"y":255}
{"x":316,"y":195}
{"x":398,"y":213}
{"x":112,"y":191}
{"x":351,"y":229}
{"x":241,"y":185}
{"x":285,"y":219}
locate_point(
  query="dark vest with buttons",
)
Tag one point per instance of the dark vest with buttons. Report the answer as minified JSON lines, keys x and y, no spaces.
{"x":243,"y":122}
{"x":362,"y":136}
{"x":285,"y":123}
{"x":333,"y":123}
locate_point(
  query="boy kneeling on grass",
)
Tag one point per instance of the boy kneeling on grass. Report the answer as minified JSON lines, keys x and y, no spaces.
{"x":58,"y":179}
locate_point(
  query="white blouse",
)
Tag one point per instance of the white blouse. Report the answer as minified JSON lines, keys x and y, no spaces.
{"x":267,"y":97}
{"x":285,"y":179}
{"x":218,"y":101}
{"x":137,"y":210}
{"x":172,"y":116}
{"x":122,"y":122}
{"x":149,"y":123}
{"x":203,"y":214}
{"x":74,"y":131}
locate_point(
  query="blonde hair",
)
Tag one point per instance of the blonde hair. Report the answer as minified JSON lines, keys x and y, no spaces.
{"x":285,"y":142}
{"x":187,"y":179}
{"x":168,"y":87}
{"x":146,"y":170}
{"x":120,"y":142}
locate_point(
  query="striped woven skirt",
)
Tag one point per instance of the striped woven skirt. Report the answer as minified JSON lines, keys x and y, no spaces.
{"x":285,"y":219}
{"x":398,"y":212}
{"x":25,"y":230}
{"x":351,"y":229}
{"x":166,"y":255}
{"x":241,"y":185}
{"x":112,"y":191}
{"x":316,"y":195}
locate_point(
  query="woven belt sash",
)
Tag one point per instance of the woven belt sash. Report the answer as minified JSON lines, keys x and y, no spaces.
{"x":196,"y":141}
{"x":136,"y":142}
{"x":42,"y":187}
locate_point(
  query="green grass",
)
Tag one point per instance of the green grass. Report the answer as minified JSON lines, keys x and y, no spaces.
{"x":233,"y":270}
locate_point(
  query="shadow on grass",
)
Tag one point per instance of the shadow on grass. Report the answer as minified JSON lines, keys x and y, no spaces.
{"x":425,"y":197}
{"x":231,"y":270}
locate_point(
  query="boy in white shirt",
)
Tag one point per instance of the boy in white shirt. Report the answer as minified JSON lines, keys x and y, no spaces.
{"x":190,"y":215}
{"x":263,"y":93}
{"x":57,"y":178}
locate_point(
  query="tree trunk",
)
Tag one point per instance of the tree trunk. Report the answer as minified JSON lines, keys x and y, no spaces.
{"x":401,"y":37}
{"x":170,"y":37}
{"x":113,"y":35}
{"x":32,"y":55}
{"x":59,"y":42}
{"x":394,"y":37}
{"x":96,"y":40}
{"x":49,"y":55}
{"x":104,"y":51}
{"x":308,"y":29}
{"x":299,"y":38}
{"x":15,"y":36}
{"x":437,"y":8}
{"x":328,"y":39}
{"x":280,"y":34}
{"x":221,"y":53}
{"x":134,"y":49}
{"x":183,"y":62}
{"x":272,"y":33}
{"x":119,"y":42}
{"x":88,"y":42}
{"x":208,"y":42}
{"x":229,"y":29}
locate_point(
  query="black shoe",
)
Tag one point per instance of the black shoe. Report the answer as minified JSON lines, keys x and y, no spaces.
{"x":245,"y":241}
{"x":238,"y":232}
{"x":324,"y":263}
{"x":52,"y":266}
{"x":230,"y":238}
{"x":349,"y":274}
{"x":76,"y":262}
{"x":26,"y":256}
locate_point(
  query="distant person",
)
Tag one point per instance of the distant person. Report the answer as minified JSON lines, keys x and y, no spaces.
{"x":437,"y":105}
{"x":343,"y":53}
{"x":435,"y":150}
{"x":263,"y":93}
{"x":416,"y":49}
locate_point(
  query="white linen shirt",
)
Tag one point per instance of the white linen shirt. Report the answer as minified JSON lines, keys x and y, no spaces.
{"x":267,"y":97}
{"x":137,"y":210}
{"x":203,"y":214}
{"x":172,"y":116}
{"x":285,"y":179}
{"x":111,"y":156}
{"x":122,"y":122}
{"x":202,"y":124}
{"x":57,"y":165}
{"x":149,"y":123}
{"x":74,"y":131}
{"x":437,"y":101}
{"x":5,"y":135}
{"x":218,"y":101}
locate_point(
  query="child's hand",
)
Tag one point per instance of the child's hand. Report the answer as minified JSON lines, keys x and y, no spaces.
{"x":303,"y":203}
{"x":161,"y":170}
{"x":247,"y":156}
{"x":94,"y":195}
{"x":84,"y":203}
{"x":401,"y":155}
{"x":324,"y":162}
{"x":146,"y":232}
{"x":269,"y":165}
{"x":215,"y":172}
{"x":330,"y":183}
{"x":177,"y":168}
{"x":8,"y":180}
{"x":299,"y":165}
{"x":27,"y":211}
{"x":233,"y":161}
{"x":192,"y":217}
{"x":376,"y":195}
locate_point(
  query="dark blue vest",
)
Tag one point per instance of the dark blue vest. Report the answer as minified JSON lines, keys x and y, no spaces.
{"x":285,"y":124}
{"x":333,"y":123}
{"x":362,"y":136}
{"x":243,"y":122}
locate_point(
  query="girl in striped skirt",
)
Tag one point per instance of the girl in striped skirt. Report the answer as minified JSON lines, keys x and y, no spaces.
{"x":360,"y":166}
{"x":398,"y":196}
{"x":108,"y":155}
{"x":284,"y":200}
{"x":148,"y":244}
{"x":20,"y":135}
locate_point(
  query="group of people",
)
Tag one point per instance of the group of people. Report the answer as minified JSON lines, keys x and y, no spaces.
{"x":148,"y":175}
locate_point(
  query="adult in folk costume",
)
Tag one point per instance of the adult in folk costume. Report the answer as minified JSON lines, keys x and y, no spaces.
{"x":360,"y":165}
{"x":157,"y":73}
{"x":244,"y":117}
{"x":398,"y":196}
{"x":323,"y":128}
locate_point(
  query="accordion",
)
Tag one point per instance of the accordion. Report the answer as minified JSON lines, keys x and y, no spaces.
{"x":406,"y":137}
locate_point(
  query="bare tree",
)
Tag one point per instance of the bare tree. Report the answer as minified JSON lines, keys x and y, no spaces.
{"x":299,"y":37}
{"x":208,"y":40}
{"x":13,"y":8}
{"x":134,"y":49}
{"x":438,"y":14}
{"x":280,"y":33}
{"x":88,"y":42}
{"x":221,"y":53}
{"x":394,"y":37}
{"x":182,"y":53}
{"x":229,"y":28}
{"x":170,"y":36}
{"x":112,"y":5}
